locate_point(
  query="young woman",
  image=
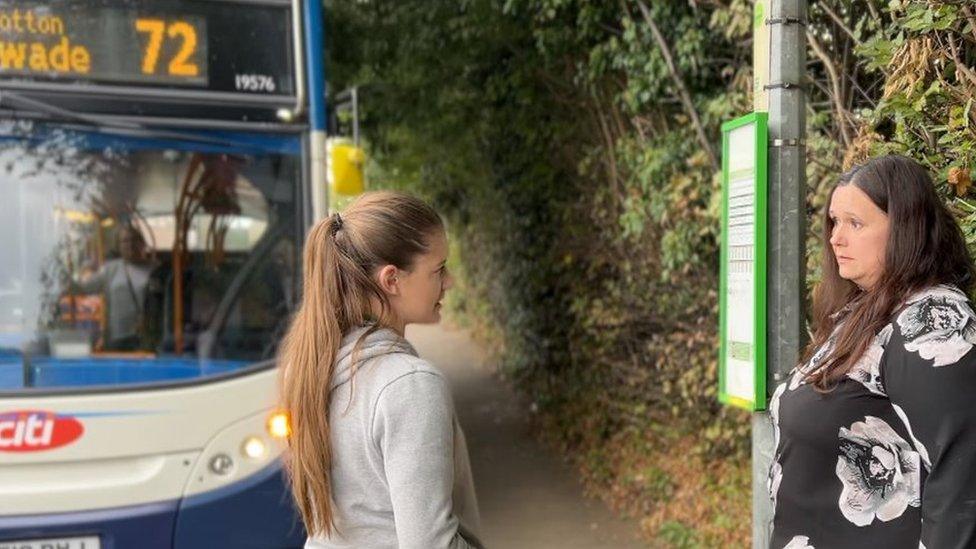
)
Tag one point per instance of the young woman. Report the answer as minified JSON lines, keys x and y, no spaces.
{"x":876,"y":428}
{"x":377,"y":458}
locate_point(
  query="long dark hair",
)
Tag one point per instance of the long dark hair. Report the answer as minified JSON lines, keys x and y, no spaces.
{"x":925,"y":247}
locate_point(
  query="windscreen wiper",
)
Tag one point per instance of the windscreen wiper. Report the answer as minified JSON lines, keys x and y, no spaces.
{"x":19,"y":102}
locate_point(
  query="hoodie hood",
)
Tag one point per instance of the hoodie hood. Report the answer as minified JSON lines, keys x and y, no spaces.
{"x":383,"y":341}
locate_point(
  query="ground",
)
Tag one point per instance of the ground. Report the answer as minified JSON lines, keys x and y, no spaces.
{"x":529,"y":498}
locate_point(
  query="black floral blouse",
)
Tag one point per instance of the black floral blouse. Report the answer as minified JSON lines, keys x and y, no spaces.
{"x":888,"y":458}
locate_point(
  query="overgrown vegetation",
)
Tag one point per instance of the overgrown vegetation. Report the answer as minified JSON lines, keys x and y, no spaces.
{"x":573,"y":145}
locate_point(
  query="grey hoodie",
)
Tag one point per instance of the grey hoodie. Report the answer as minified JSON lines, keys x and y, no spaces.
{"x":400,"y":471}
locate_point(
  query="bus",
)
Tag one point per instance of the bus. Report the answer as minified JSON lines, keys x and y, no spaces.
{"x":160,"y":162}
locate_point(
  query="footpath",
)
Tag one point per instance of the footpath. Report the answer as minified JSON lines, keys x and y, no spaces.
{"x":529,"y":498}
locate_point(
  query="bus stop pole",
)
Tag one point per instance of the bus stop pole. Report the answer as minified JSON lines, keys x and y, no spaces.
{"x":786,"y":226}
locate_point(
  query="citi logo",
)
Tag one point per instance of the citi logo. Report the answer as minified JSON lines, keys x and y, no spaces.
{"x":36,"y":430}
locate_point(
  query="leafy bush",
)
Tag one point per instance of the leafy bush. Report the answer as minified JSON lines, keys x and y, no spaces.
{"x":573,"y":145}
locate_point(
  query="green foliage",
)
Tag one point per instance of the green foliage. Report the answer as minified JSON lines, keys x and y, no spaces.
{"x":679,"y":535}
{"x":578,"y":172}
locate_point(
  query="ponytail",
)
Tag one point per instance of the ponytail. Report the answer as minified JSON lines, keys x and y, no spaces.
{"x":342,"y":253}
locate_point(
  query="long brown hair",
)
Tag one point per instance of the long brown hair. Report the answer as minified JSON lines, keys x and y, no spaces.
{"x":342,"y":255}
{"x":925,"y":247}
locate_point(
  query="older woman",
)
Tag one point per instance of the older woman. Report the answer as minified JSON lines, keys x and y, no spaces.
{"x":876,"y":428}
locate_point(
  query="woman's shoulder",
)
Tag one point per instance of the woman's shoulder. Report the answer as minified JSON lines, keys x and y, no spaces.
{"x":938,"y":292}
{"x":938,"y":323}
{"x":937,"y":307}
{"x":406,"y":385}
{"x":400,"y":364}
{"x":393,"y":367}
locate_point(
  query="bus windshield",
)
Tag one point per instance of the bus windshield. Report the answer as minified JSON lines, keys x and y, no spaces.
{"x":136,"y":260}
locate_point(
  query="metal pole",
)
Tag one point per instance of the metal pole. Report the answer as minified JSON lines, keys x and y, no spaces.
{"x":355,"y":115}
{"x":786,"y":273}
{"x":318,"y":186}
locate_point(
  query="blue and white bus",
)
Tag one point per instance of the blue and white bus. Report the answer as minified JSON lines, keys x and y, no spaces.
{"x":160,"y":162}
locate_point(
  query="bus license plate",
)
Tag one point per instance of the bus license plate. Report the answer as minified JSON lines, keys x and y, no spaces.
{"x":87,"y":542}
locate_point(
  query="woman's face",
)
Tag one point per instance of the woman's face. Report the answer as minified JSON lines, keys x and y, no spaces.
{"x":859,"y":236}
{"x":421,"y":289}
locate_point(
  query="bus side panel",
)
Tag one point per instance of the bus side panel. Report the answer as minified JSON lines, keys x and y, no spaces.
{"x":144,"y":526}
{"x":226,"y":517}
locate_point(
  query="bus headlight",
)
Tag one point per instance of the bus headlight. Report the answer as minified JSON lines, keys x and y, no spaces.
{"x":278,"y":425}
{"x":253,"y":448}
{"x":285,"y":115}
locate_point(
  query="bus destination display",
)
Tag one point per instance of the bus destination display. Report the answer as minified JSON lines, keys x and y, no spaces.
{"x":174,"y":43}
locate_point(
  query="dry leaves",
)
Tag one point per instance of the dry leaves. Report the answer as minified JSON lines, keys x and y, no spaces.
{"x":860,"y":149}
{"x":960,"y":180}
{"x":909,"y":65}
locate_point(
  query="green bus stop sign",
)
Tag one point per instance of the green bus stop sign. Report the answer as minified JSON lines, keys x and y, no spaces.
{"x":742,"y":285}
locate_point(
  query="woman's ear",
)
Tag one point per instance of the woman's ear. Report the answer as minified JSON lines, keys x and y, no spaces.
{"x":389,"y":280}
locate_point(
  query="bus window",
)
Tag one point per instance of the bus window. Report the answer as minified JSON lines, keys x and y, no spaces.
{"x":142,"y":260}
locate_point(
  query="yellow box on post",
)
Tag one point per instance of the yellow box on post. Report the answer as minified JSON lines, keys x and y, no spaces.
{"x":347,"y":164}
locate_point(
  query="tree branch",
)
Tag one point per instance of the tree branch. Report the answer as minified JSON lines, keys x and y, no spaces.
{"x":679,"y":84}
{"x":960,"y":65}
{"x":834,"y":84}
{"x":840,"y":23}
{"x":875,"y":14}
{"x":970,"y":18}
{"x":609,"y":144}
